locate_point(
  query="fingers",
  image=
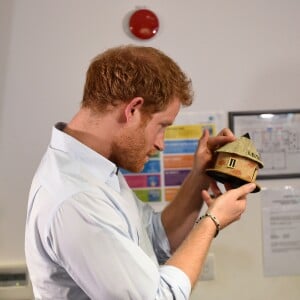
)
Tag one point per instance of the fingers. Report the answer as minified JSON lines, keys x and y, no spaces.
{"x":239,"y":193}
{"x":245,"y":189}
{"x":228,"y":186}
{"x":229,"y":206}
{"x":202,"y":143}
{"x":206,"y":198}
{"x":204,"y":154}
{"x":226,"y":132}
{"x":219,"y":140}
{"x":215,"y":189}
{"x":204,"y":138}
{"x":224,"y":136}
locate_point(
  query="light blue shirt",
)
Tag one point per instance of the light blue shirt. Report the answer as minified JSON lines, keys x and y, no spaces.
{"x":89,"y":237}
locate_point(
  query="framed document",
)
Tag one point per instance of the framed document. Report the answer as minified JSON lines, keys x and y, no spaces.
{"x":276,"y":135}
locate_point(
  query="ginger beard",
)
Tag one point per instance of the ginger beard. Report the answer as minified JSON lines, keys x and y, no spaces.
{"x":130,"y":150}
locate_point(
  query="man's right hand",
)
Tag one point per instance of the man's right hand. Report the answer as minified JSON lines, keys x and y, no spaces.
{"x":228,"y":207}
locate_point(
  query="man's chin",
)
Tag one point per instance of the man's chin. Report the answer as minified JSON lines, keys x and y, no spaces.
{"x":138,"y":170}
{"x":135,"y":169}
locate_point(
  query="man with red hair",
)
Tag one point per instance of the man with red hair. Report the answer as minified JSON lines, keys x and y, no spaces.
{"x":87,"y":234}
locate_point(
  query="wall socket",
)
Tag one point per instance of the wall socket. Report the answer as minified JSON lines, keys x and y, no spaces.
{"x":208,"y":272}
{"x":14,"y":282}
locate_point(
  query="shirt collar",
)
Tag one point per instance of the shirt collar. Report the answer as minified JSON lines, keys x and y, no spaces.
{"x":99,"y":166}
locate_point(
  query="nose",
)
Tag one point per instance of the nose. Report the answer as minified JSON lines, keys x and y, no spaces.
{"x":160,"y":142}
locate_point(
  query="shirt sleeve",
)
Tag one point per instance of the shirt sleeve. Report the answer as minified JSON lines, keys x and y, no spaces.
{"x":104,"y":261}
{"x":176,"y":280}
{"x":172,"y":276}
{"x":156,"y":232}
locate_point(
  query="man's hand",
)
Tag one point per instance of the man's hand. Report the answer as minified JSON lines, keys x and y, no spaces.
{"x":228,"y":207}
{"x":180,"y":215}
{"x":206,"y":147}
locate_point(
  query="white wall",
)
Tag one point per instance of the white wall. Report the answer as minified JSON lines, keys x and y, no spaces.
{"x":241,"y":55}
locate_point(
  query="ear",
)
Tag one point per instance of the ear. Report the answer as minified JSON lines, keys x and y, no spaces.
{"x":132,"y":109}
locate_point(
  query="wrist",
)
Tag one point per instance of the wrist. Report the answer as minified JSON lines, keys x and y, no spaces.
{"x":214,"y":220}
{"x":200,"y":177}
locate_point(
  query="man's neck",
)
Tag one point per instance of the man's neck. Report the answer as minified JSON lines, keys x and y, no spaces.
{"x":95,"y":131}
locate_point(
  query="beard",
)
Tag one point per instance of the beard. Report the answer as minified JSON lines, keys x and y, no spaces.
{"x":129,"y":151}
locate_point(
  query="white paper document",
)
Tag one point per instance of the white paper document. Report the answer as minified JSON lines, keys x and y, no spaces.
{"x":281,"y":231}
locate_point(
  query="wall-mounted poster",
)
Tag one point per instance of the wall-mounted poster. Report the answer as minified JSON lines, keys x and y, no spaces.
{"x":276,"y":135}
{"x":281,"y":231}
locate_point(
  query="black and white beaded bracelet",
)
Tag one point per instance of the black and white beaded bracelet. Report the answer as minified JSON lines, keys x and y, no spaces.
{"x":214,"y":219}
